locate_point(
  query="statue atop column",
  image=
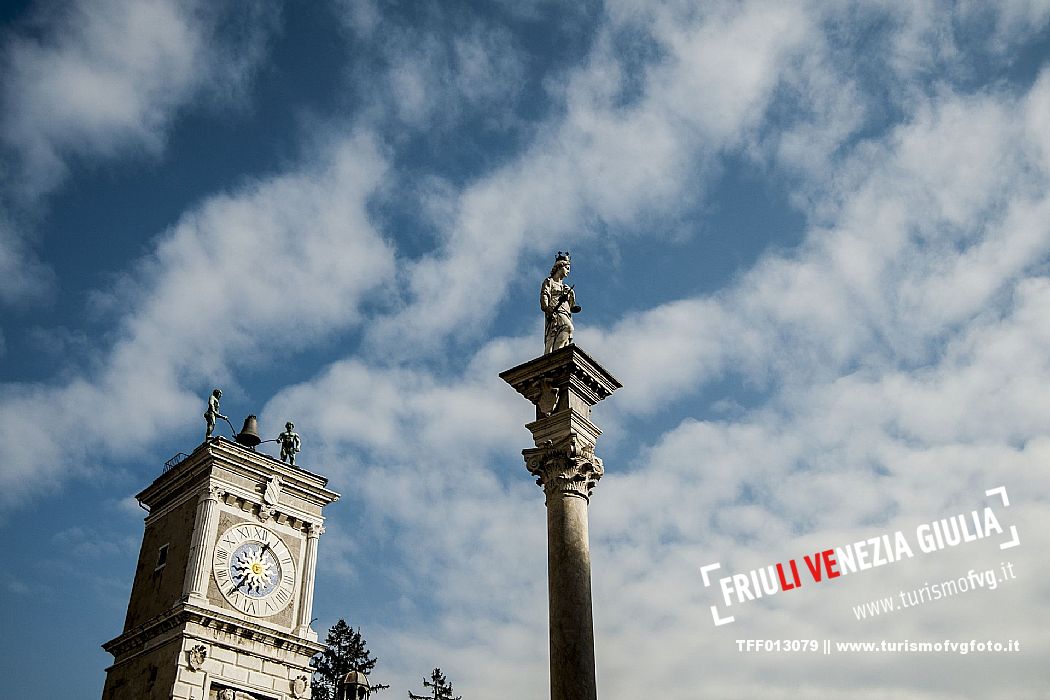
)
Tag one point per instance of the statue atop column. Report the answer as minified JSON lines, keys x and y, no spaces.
{"x":558,"y":302}
{"x":564,"y":384}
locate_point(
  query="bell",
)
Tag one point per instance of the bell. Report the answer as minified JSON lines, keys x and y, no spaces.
{"x":249,"y":435}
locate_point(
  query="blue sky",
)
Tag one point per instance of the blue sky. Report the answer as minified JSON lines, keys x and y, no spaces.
{"x":811,"y":239}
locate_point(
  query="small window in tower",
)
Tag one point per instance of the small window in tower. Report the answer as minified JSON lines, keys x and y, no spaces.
{"x":162,"y":557}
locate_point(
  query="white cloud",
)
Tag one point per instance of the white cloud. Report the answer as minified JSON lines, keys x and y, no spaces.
{"x":600,"y":159}
{"x":1010,"y":22}
{"x":248,"y":276}
{"x":105,"y":78}
{"x":422,"y":78}
{"x":94,"y":81}
{"x":22,"y":275}
{"x":940,"y":222}
{"x":899,"y":348}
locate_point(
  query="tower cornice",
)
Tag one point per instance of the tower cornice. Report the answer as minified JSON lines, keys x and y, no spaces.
{"x":256,"y":467}
{"x":140,"y":637}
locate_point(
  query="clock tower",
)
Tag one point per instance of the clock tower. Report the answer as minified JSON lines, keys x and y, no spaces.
{"x":221,"y":604}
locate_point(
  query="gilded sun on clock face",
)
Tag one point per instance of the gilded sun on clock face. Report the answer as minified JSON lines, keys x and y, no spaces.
{"x":254,"y":570}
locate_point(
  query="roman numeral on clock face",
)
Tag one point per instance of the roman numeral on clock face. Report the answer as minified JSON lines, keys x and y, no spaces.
{"x":254,"y":570}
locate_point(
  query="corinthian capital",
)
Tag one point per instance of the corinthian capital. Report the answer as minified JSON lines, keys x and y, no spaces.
{"x":212,"y":492}
{"x":568,"y":466}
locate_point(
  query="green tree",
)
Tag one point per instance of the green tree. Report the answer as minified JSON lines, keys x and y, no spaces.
{"x":346,"y":651}
{"x":440,"y":688}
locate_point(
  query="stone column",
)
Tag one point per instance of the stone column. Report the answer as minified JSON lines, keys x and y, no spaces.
{"x":205,"y":528}
{"x":306,"y":597}
{"x":563,"y":386}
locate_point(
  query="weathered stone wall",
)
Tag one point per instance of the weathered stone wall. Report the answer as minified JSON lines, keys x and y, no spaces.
{"x":157,"y":590}
{"x":147,"y":676}
{"x":249,"y":666}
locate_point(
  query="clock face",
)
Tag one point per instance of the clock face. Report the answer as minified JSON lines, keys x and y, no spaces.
{"x":254,"y":570}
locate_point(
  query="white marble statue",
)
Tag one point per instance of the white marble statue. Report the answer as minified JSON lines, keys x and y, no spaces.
{"x":558,"y":301}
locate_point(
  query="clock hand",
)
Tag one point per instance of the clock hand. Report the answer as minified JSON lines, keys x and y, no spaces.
{"x":237,"y":584}
{"x":244,"y":575}
{"x":266,"y":545}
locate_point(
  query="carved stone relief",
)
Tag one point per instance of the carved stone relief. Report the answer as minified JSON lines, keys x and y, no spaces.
{"x":196,"y":657}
